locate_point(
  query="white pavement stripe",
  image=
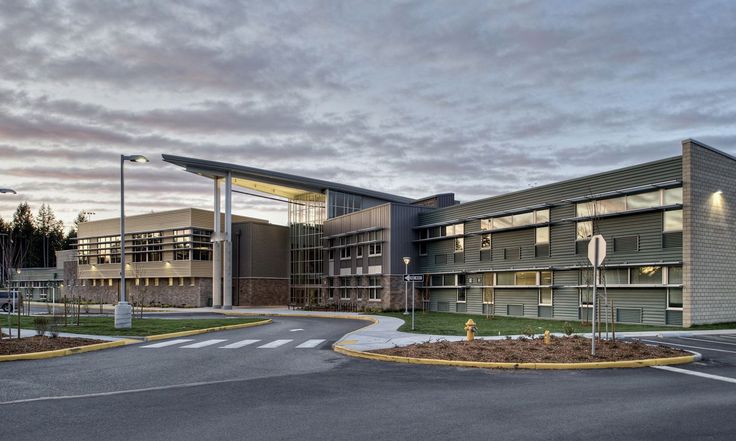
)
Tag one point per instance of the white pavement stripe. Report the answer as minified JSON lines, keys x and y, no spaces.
{"x":295,"y":330}
{"x":168,"y":343}
{"x":274,"y":344}
{"x":202,"y":344}
{"x":239,"y":344}
{"x":666,"y":343}
{"x":695,"y":373}
{"x":708,"y":341}
{"x":310,"y":343}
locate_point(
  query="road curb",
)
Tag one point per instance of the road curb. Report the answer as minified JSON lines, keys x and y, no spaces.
{"x":68,"y":351}
{"x":205,"y":330}
{"x":499,"y":365}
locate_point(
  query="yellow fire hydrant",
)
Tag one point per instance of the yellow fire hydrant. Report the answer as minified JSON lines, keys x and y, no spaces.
{"x":547,"y":338}
{"x":470,"y":329}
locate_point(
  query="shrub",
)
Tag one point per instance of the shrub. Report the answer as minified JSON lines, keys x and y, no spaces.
{"x":41,"y":325}
{"x":568,"y":329}
{"x":54,"y":327}
{"x":528,"y":331}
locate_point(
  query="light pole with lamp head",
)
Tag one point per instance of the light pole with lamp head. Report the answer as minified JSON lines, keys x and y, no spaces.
{"x":2,"y":263}
{"x":407,"y":261}
{"x":123,"y":312}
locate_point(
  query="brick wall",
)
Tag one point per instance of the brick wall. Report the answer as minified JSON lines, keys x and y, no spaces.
{"x":262,"y":291}
{"x":709,"y":235}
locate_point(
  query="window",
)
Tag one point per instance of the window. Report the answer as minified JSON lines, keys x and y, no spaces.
{"x":542,"y":235}
{"x":485,"y":242}
{"x":674,"y":298}
{"x":674,"y":275}
{"x":646,"y":275}
{"x":374,"y":290}
{"x":503,"y":222}
{"x":614,"y":276}
{"x":452,"y":230}
{"x":181,"y":281}
{"x":155,"y":281}
{"x":643,"y":200}
{"x":541,"y":216}
{"x":672,"y":221}
{"x":545,"y":297}
{"x":375,"y":249}
{"x":584,"y":230}
{"x":586,"y":298}
{"x":526,"y":278}
{"x":516,"y":220}
{"x":461,"y":295}
{"x":422,"y":249}
{"x":672,"y":196}
{"x":345,"y":253}
{"x":545,"y":278}
{"x":171,"y":281}
{"x":344,"y":293}
{"x":459,"y":244}
{"x":505,"y":279}
{"x":109,"y":282}
{"x":359,"y":251}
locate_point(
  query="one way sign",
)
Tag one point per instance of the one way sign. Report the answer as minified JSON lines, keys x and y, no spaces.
{"x":413,"y":277}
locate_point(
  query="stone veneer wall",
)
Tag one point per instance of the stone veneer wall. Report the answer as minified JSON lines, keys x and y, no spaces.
{"x":187,"y":295}
{"x":709,"y":235}
{"x":262,"y":291}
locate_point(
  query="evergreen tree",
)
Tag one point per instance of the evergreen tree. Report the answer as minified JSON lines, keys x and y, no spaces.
{"x":49,"y":236}
{"x":69,"y":241}
{"x":23,"y":234}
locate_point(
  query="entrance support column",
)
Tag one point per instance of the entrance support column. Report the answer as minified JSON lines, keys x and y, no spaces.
{"x":217,"y":252}
{"x":227,"y":285}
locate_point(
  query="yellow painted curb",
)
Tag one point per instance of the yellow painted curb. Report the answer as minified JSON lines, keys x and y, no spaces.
{"x":499,"y":365}
{"x":206,"y":330}
{"x":68,"y":351}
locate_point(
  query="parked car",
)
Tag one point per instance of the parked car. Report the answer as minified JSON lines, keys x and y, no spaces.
{"x":6,"y":301}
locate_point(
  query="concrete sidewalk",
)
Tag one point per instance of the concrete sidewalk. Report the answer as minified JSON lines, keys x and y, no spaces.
{"x":30,"y":333}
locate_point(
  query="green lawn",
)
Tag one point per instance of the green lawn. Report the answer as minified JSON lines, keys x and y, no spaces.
{"x":141,"y":327}
{"x":444,"y":323}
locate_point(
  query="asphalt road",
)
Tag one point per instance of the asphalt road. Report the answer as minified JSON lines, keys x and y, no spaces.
{"x":285,"y":393}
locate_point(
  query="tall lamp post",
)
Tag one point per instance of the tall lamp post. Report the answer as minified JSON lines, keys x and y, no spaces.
{"x":123,"y":311}
{"x":407,"y":261}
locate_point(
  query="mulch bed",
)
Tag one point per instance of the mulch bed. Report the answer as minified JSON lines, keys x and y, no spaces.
{"x":39,"y":344}
{"x":561,"y":350}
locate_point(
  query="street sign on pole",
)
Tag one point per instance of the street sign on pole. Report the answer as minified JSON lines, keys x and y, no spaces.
{"x":597,"y":250}
{"x":413,"y":277}
{"x":596,"y":254}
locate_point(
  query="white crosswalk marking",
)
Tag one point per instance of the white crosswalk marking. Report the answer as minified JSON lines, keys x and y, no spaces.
{"x":202,"y":344}
{"x":168,"y":343}
{"x":310,"y":343}
{"x":274,"y":344}
{"x":239,"y":344}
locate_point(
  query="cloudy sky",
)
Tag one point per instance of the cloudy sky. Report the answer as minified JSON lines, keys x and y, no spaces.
{"x":411,"y":98}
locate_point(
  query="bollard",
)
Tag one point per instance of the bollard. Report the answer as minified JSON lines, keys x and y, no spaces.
{"x":547,"y":338}
{"x":470,"y":329}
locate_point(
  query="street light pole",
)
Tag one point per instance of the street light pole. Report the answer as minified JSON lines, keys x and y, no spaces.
{"x":123,"y":311}
{"x":407,"y":260}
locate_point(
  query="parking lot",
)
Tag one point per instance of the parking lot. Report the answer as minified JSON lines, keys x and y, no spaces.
{"x":718,"y":350}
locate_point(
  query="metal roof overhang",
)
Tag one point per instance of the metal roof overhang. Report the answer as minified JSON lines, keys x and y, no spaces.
{"x":271,"y":182}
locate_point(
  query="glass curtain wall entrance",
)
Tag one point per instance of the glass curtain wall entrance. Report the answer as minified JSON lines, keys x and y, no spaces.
{"x":307,"y":213}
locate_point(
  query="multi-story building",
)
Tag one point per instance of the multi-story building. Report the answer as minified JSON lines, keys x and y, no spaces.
{"x":45,"y":283}
{"x":668,"y":226}
{"x":169,"y":260}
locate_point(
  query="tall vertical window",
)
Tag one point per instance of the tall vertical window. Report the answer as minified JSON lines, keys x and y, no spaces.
{"x":672,"y":221}
{"x":542,"y":235}
{"x":459,"y":244}
{"x":485,"y":242}
{"x":584,"y":230}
